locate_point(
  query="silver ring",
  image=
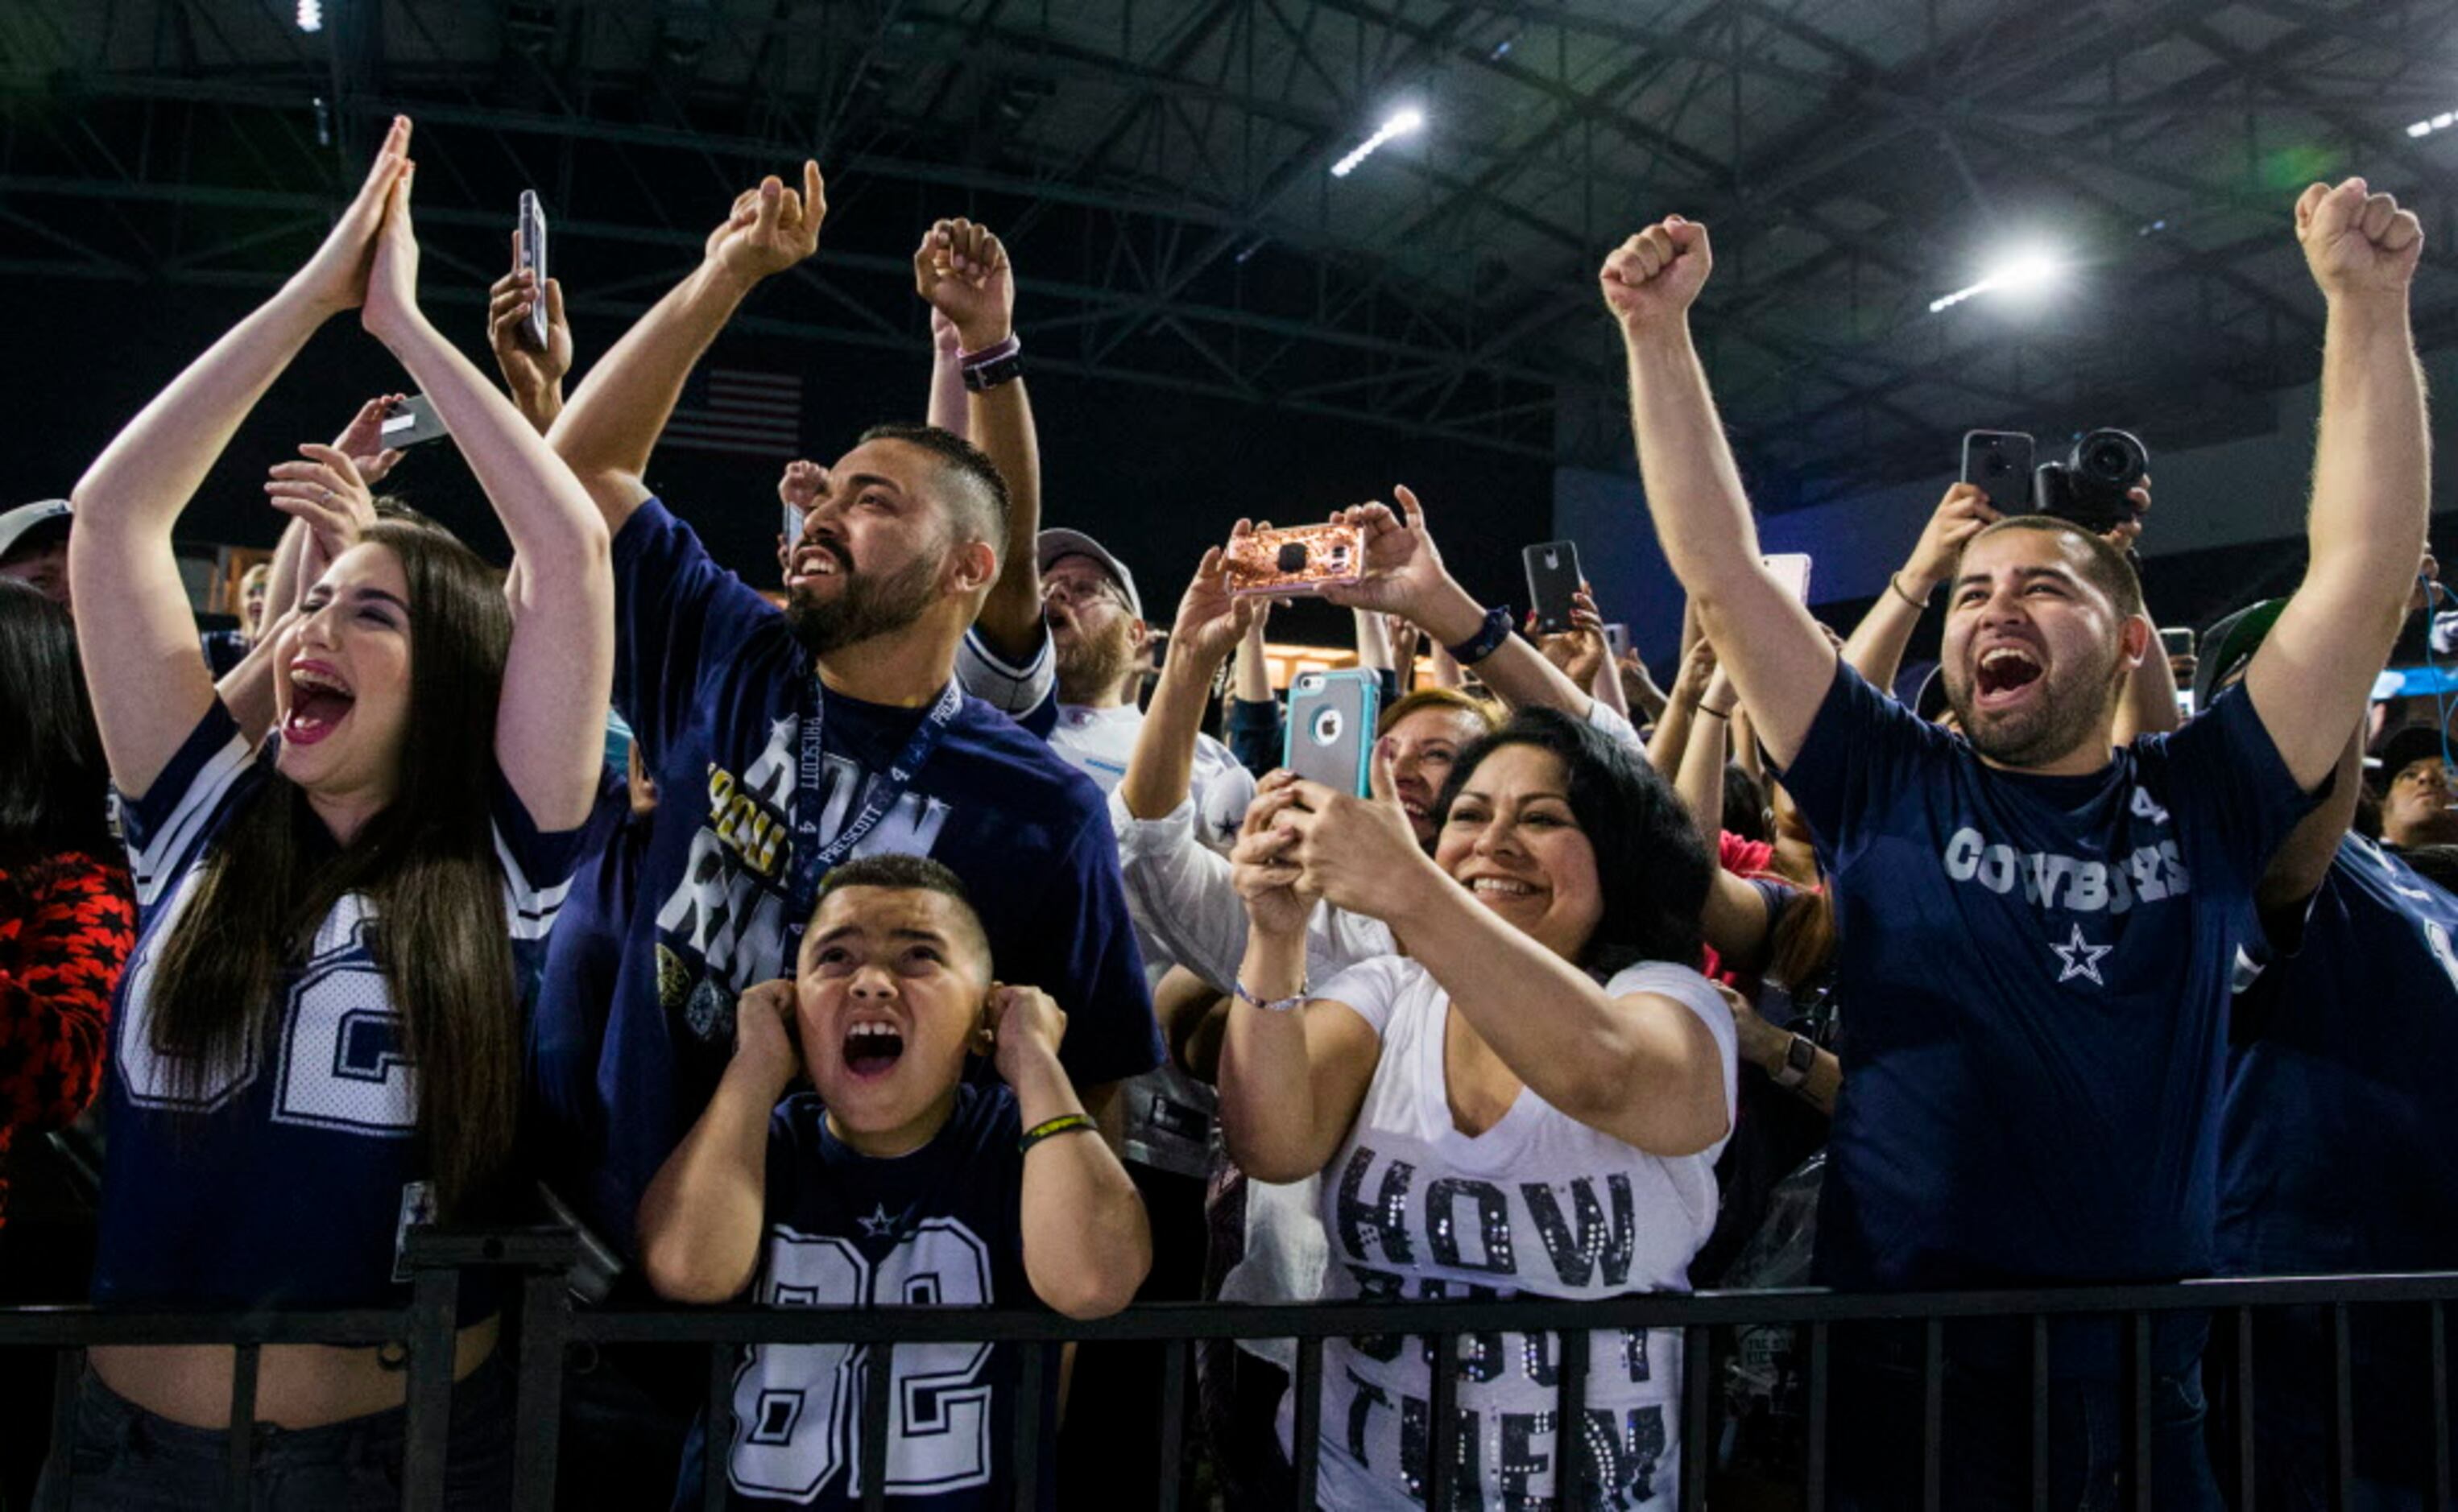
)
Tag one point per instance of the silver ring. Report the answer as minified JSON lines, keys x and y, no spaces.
{"x":327,"y":492}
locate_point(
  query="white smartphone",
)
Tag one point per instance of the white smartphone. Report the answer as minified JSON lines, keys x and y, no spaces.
{"x":1791,"y":568}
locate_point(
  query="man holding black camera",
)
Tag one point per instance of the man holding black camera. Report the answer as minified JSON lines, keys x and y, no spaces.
{"x":2036,"y":934}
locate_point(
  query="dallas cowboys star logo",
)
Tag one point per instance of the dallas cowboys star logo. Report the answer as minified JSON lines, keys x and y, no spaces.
{"x":2081,"y":958}
{"x":879,"y":1225}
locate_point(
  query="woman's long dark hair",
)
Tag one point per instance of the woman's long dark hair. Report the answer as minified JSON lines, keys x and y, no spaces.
{"x":54,"y":789}
{"x":1651,"y":864}
{"x":427,"y":864}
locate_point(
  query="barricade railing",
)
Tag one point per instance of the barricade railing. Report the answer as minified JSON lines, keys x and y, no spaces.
{"x":549,"y":1322}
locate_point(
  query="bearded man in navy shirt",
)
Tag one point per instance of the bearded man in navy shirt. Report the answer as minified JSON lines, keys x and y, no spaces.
{"x":2037,"y":931}
{"x":783,"y":743}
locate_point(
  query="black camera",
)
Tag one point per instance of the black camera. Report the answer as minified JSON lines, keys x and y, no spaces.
{"x":2090,"y":487}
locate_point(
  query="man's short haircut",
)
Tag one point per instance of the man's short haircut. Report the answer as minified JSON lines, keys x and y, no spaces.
{"x":1487,"y":717}
{"x":2104,"y":566}
{"x":976,"y":495}
{"x":908,"y":874}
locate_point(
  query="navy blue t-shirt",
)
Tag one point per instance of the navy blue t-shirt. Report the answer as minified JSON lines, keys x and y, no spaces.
{"x":2038,"y":971}
{"x":2340,"y":1144}
{"x":940,"y":1227}
{"x":712,"y":680}
{"x":286,"y":1182}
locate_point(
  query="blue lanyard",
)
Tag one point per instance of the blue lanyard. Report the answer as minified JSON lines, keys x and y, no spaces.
{"x":812,"y":860}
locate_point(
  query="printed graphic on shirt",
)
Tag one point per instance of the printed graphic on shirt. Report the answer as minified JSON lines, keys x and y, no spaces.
{"x":1389,"y":1215}
{"x":799,"y":1406}
{"x":729,"y":909}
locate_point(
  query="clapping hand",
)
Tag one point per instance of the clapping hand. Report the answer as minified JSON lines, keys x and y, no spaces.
{"x":771,"y":228}
{"x":336,"y":277}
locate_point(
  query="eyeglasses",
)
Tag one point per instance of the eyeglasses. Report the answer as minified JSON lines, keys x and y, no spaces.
{"x":1075,"y":592}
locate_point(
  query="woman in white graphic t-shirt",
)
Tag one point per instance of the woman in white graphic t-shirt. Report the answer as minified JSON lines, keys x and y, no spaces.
{"x":1528,"y":1101}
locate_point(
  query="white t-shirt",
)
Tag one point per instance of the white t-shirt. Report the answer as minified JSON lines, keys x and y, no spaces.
{"x":1098,"y":742}
{"x":1539,"y":1204}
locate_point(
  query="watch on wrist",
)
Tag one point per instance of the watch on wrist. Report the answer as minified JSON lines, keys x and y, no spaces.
{"x":1800,"y":1058}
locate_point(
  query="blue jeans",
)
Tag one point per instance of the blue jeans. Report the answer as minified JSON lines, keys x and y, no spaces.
{"x":124,"y":1459}
{"x":1985,"y":1445}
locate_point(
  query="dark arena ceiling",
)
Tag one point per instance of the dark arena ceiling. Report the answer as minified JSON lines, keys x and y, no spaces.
{"x":1161,"y":169}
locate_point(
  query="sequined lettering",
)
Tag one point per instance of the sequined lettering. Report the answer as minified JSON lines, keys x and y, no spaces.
{"x":1577,"y":1254}
{"x":1490,"y":1222}
{"x":1382,"y":1223}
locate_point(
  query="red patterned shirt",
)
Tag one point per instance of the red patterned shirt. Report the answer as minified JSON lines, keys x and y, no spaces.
{"x":64,"y":937}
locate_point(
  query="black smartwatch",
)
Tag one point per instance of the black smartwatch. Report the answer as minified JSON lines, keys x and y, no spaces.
{"x":1800,"y":1058}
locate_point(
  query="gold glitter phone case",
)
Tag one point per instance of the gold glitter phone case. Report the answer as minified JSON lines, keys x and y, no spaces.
{"x":1302,"y":559}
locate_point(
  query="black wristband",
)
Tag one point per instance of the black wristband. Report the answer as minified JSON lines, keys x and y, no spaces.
{"x":1488,"y":639}
{"x":981,"y":375}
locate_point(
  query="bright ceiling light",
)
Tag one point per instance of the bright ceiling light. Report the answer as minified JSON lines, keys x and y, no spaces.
{"x":2438,"y":123}
{"x":2022,"y":273}
{"x":311,"y":15}
{"x":1401,"y":123}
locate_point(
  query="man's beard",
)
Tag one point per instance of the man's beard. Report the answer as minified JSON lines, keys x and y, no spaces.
{"x":1089,"y":667}
{"x":868,"y":605}
{"x":2051,"y":726}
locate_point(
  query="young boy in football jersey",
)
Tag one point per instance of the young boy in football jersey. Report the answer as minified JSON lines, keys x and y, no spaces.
{"x":892,"y":1180}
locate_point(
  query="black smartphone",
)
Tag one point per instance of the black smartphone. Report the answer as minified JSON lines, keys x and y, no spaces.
{"x":534,"y":259}
{"x":1552,"y":577}
{"x":1331,"y":728}
{"x":1999,"y":464}
{"x":410,"y":422}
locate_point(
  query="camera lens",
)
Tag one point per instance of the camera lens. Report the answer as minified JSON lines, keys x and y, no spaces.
{"x":2111,"y":457}
{"x":1292,"y":557}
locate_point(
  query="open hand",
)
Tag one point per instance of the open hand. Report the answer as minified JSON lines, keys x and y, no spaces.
{"x":771,"y":227}
{"x":336,"y":277}
{"x":1402,"y":569}
{"x":362,"y":440}
{"x":330,"y":496}
{"x":1653,"y":278}
{"x":963,"y":271}
{"x":1209,"y":618}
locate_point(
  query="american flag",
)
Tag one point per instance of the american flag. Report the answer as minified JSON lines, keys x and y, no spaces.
{"x":735,"y":410}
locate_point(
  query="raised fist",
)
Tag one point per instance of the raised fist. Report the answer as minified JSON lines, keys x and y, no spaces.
{"x":2355,"y":241}
{"x":771,"y":227}
{"x":963,"y":271}
{"x":1653,"y":278}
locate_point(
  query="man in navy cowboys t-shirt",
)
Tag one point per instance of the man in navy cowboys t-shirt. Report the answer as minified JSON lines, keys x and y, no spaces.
{"x":2036,"y":936}
{"x":783,"y":743}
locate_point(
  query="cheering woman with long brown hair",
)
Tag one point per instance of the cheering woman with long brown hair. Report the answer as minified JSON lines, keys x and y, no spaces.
{"x":318,"y":1040}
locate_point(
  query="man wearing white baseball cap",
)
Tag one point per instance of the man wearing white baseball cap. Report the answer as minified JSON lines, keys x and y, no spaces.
{"x":34,"y":547}
{"x":1099,"y":633}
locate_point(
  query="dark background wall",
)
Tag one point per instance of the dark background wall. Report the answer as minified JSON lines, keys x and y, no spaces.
{"x":1155,"y":475}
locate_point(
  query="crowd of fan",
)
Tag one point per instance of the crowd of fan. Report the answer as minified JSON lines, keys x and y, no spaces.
{"x":913,"y":941}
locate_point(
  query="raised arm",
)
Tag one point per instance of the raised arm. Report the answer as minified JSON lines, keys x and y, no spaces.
{"x":950,"y":410}
{"x":1404,"y":575}
{"x":701,"y":1219}
{"x":2372,"y":478}
{"x":612,"y":423}
{"x":551,"y":716}
{"x":1876,"y":647}
{"x":1210,"y":624}
{"x":1086,"y":1242}
{"x":963,"y":271}
{"x":1673,"y":727}
{"x":1700,"y":780}
{"x":149,"y":687}
{"x":1779,"y":662}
